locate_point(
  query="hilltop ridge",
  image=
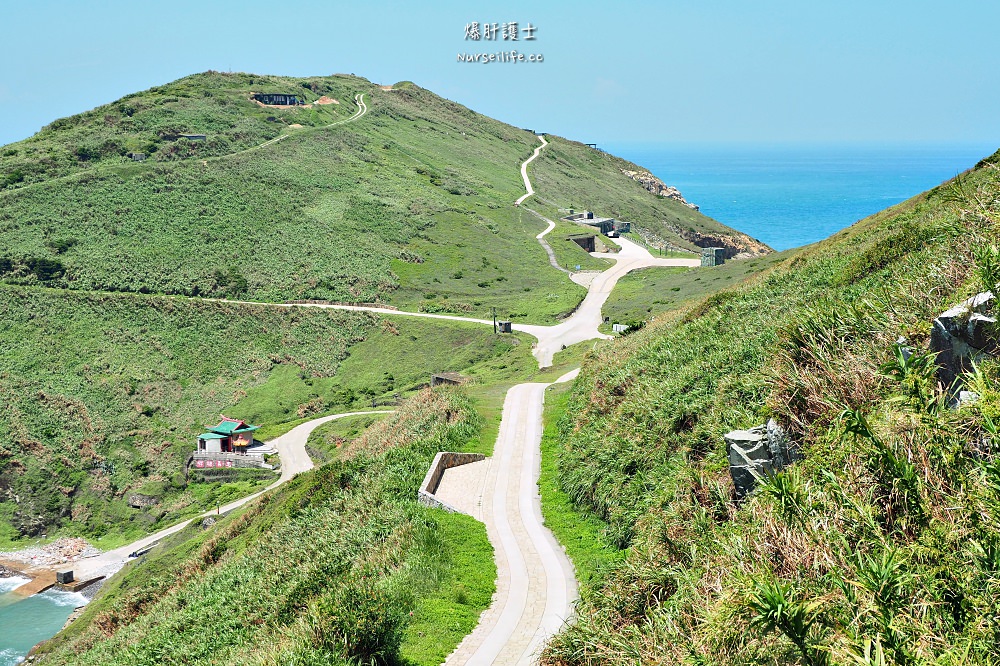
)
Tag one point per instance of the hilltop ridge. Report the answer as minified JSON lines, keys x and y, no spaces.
{"x":293,"y":202}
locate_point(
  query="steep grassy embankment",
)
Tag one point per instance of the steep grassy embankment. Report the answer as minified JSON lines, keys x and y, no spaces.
{"x":341,"y":565}
{"x":881,"y":545}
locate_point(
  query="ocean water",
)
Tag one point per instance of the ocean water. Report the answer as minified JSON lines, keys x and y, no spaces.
{"x":25,"y":622}
{"x":789,"y":196}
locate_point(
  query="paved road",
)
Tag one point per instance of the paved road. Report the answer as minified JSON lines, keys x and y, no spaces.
{"x":544,"y":243}
{"x":585,"y":321}
{"x":536,"y":586}
{"x":524,"y":171}
{"x":291,"y":447}
{"x":579,"y":327}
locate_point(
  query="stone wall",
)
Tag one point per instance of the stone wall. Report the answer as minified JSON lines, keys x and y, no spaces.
{"x":442,"y":461}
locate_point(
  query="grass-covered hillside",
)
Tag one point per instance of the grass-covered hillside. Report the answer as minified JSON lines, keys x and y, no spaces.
{"x":881,"y":545}
{"x":104,"y":394}
{"x":111,"y":361}
{"x":339,"y":566}
{"x":410,"y":203}
{"x":565,"y":175}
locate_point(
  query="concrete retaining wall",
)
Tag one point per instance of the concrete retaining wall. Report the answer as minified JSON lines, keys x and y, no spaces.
{"x":442,"y":461}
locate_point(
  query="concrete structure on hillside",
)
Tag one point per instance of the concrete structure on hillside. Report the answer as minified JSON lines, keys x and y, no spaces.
{"x":608,"y":226}
{"x":230,"y":436}
{"x":230,"y":444}
{"x":453,"y":378}
{"x":277,"y":99}
{"x":713,"y":256}
{"x":586,"y":241}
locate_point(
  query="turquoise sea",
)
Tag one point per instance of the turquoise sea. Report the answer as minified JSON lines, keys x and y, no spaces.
{"x":25,"y":622}
{"x":789,"y":196}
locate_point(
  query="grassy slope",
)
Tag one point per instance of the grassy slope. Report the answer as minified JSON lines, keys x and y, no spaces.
{"x":644,"y":294}
{"x":565,"y":174}
{"x":326,"y":441}
{"x":340,"y":564}
{"x":887,"y":535}
{"x":104,"y":394}
{"x":578,"y":531}
{"x":411,"y":203}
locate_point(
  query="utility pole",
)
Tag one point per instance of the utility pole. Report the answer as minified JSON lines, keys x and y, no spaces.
{"x":494,"y":320}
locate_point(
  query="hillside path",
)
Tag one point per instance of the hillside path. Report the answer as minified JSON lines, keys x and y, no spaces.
{"x":291,"y":447}
{"x":524,"y":171}
{"x":582,"y":325}
{"x":536,"y":585}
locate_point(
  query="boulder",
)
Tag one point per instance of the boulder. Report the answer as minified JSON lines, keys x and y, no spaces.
{"x":961,"y":336}
{"x":756,"y":453}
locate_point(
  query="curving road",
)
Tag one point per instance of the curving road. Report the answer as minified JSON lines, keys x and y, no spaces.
{"x":536,"y":585}
{"x":291,"y":447}
{"x":584,"y":323}
{"x":529,"y":190}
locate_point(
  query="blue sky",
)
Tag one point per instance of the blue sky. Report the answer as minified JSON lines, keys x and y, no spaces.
{"x":670,"y":71}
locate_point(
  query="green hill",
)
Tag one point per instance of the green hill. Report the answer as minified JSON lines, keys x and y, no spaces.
{"x":110,"y":367}
{"x":880,"y":545}
{"x":409,"y":204}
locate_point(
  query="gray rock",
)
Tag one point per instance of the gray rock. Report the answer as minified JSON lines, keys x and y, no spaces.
{"x":756,"y":453}
{"x":905,"y":348}
{"x":963,"y":335}
{"x":207,"y":522}
{"x":967,"y":398}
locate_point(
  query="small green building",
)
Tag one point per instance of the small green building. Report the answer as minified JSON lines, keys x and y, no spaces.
{"x":230,"y":436}
{"x":713,"y":256}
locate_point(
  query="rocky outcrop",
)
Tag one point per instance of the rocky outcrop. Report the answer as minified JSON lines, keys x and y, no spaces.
{"x":658,"y":187}
{"x":962,"y":336}
{"x":737,"y":245}
{"x":757,"y":453}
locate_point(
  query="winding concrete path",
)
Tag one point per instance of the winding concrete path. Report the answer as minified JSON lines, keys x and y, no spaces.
{"x":536,"y":585}
{"x":291,"y":447}
{"x":582,"y":325}
{"x":529,"y":190}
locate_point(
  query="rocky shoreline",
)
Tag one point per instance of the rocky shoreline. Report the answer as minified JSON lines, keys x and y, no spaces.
{"x":60,"y":551}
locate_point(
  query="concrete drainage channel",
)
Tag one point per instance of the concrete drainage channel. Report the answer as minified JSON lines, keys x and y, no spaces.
{"x":432,"y":480}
